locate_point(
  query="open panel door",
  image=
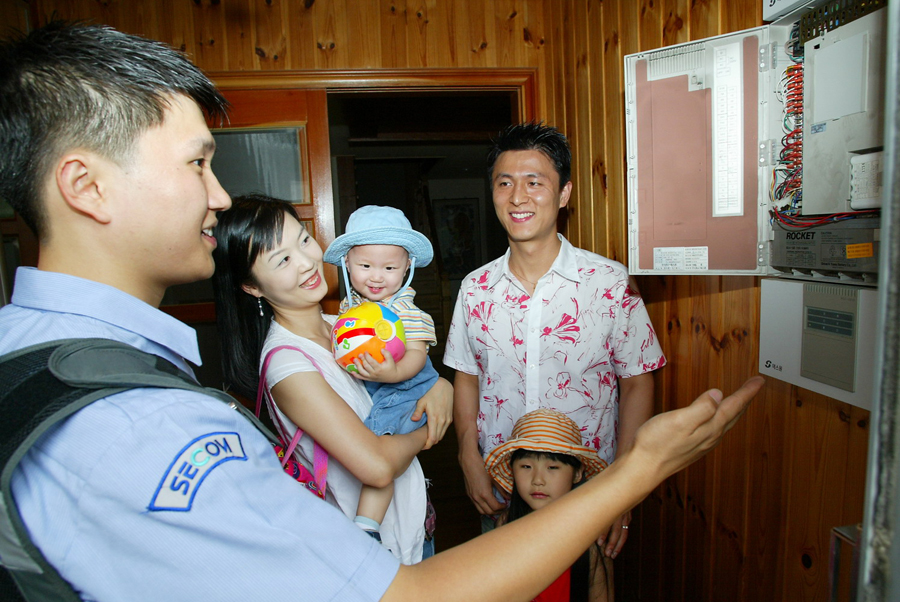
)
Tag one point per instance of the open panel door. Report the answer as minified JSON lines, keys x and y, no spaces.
{"x":698,"y":117}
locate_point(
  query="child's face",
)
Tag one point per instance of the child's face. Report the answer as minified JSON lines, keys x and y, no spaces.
{"x":541,"y":480}
{"x":377,"y":271}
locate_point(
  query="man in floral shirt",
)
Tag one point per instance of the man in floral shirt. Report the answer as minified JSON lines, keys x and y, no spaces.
{"x":546,"y":325}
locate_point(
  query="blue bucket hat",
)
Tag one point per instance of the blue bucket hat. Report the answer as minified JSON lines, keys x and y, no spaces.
{"x":376,"y":225}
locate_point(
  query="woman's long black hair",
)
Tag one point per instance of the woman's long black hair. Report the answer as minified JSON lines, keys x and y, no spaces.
{"x":252,"y":226}
{"x":581,"y":575}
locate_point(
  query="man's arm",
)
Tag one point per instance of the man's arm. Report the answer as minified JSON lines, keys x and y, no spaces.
{"x":517,"y":561}
{"x":479,"y":485}
{"x":635,"y":408}
{"x":310,"y":402}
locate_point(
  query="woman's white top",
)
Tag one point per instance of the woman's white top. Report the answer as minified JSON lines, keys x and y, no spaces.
{"x":403,"y":528}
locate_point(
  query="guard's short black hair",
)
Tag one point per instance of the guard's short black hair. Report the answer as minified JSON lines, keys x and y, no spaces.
{"x":534,"y":136}
{"x":69,"y":85}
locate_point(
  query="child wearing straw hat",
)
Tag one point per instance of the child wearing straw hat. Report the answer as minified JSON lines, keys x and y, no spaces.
{"x":542,"y":461}
{"x":377,"y":255}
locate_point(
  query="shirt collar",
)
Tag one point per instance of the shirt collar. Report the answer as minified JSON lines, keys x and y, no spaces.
{"x":565,"y":264}
{"x":63,"y":293}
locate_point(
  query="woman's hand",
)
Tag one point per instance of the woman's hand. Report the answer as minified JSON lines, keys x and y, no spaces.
{"x":438,"y":404}
{"x":310,"y":402}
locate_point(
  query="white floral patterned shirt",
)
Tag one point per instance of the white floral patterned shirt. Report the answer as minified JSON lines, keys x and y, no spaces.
{"x":562,"y":348}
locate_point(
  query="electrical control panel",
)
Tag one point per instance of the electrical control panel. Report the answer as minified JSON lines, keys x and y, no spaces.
{"x":739,"y":145}
{"x":819,"y":336}
{"x":844,"y":251}
{"x":761,"y":153}
{"x":843,"y":114}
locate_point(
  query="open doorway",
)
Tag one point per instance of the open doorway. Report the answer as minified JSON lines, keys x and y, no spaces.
{"x":424,"y":153}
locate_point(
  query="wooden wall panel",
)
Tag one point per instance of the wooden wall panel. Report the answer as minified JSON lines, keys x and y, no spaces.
{"x":596,"y":160}
{"x":508,"y":25}
{"x":178,"y":30}
{"x":393,"y":19}
{"x":611,"y":235}
{"x":818,"y":476}
{"x":648,"y":23}
{"x":332,"y":42}
{"x":737,"y":354}
{"x":267,"y":22}
{"x":580,"y":128}
{"x":566,"y":45}
{"x":739,"y":15}
{"x":533,"y":40}
{"x":675,"y":22}
{"x":251,"y":40}
{"x":556,"y":74}
{"x":700,"y":312}
{"x":302,"y":50}
{"x":365,"y":50}
{"x":14,"y":16}
{"x":736,"y":525}
{"x":616,"y":246}
{"x":704,"y":19}
{"x":209,"y":46}
{"x":478,"y":40}
{"x":563,"y":51}
{"x":439,"y":32}
{"x":767,"y":486}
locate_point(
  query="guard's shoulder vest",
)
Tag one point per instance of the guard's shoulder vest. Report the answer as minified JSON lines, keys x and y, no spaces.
{"x":40,"y":386}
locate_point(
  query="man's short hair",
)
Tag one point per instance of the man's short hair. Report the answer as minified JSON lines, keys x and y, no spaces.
{"x":534,"y":136}
{"x":66,"y":86}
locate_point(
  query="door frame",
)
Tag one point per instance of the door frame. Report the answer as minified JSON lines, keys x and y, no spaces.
{"x":521,"y":81}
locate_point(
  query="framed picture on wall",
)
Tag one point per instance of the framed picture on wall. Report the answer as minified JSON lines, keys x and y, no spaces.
{"x":458,"y":228}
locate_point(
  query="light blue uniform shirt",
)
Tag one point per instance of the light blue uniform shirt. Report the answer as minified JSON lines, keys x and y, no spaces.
{"x":161,"y":494}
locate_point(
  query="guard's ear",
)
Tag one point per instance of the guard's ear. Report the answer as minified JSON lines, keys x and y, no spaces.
{"x":78,"y":178}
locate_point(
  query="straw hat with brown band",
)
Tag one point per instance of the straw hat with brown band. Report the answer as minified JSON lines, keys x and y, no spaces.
{"x":542,"y":430}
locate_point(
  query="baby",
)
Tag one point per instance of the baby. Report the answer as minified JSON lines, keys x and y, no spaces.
{"x":375,"y":253}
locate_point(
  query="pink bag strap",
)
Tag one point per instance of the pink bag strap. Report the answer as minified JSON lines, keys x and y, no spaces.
{"x":320,"y":456}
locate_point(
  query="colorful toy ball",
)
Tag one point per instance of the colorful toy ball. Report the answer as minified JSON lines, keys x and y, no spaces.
{"x":367,"y":328}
